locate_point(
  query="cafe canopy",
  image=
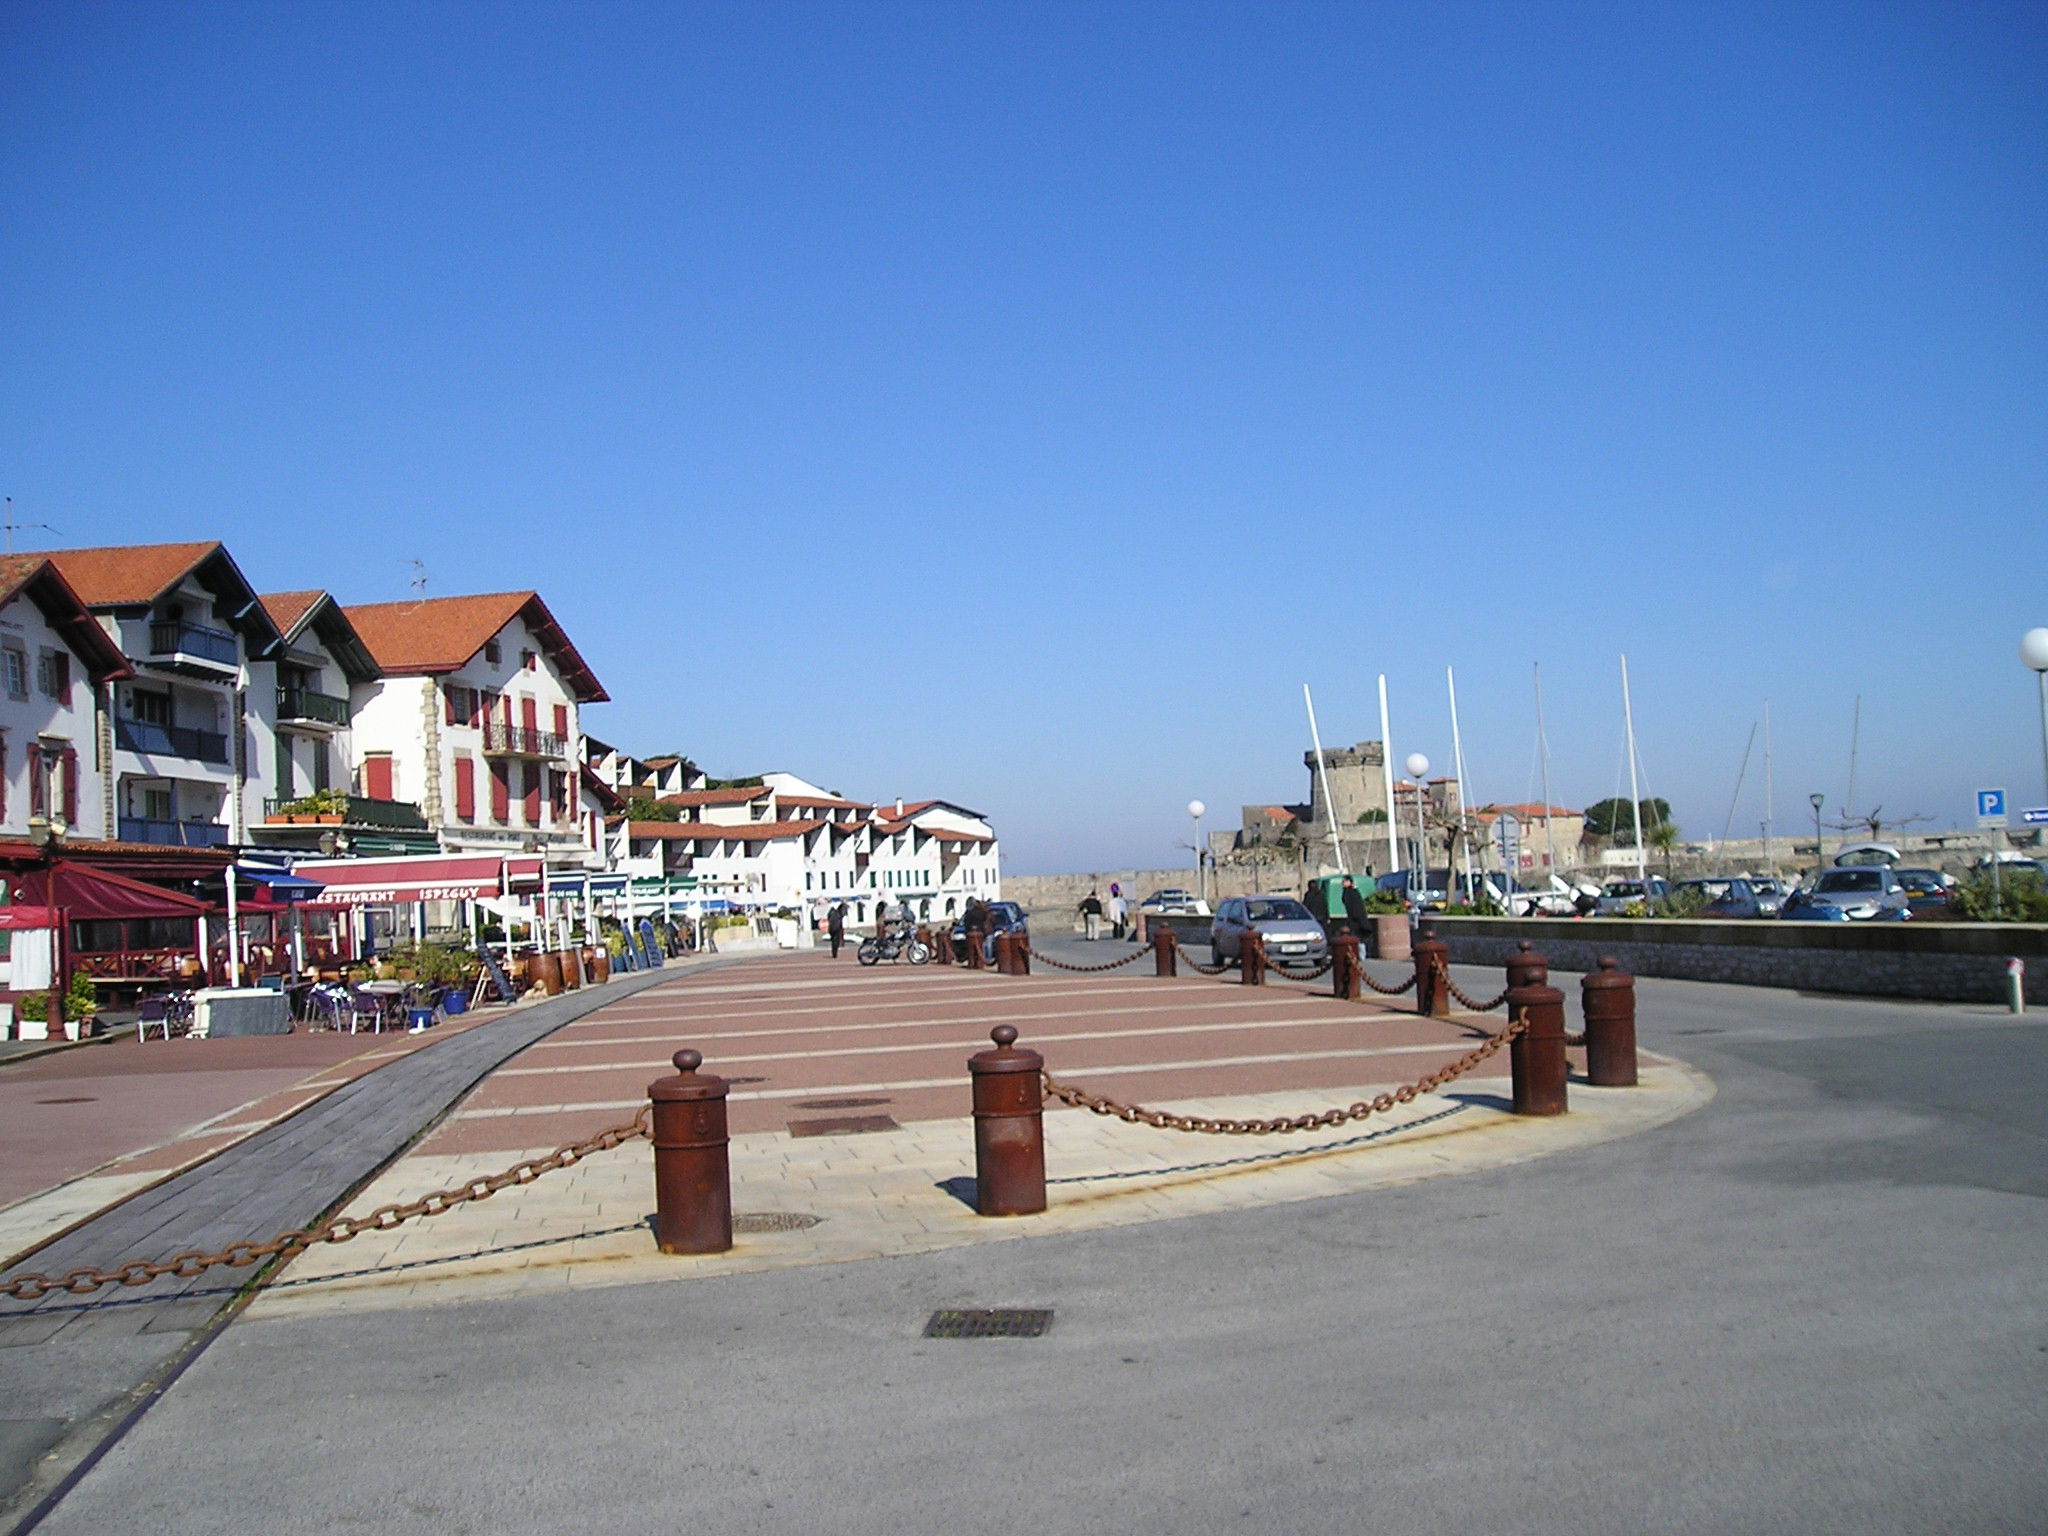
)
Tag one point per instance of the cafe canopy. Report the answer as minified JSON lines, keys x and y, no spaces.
{"x":430,"y":877}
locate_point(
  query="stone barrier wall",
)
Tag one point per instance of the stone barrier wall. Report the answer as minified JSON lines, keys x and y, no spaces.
{"x":1947,"y":962}
{"x":1059,"y":896}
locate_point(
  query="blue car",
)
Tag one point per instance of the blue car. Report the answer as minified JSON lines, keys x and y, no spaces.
{"x":1805,"y":907}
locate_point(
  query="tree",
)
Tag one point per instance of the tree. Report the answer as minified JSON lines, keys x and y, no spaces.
{"x":641,"y":808}
{"x":1612,"y":818}
{"x":1663,"y":837}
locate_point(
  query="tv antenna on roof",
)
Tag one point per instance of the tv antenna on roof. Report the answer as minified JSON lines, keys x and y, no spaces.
{"x":419,"y":577}
{"x":12,"y":527}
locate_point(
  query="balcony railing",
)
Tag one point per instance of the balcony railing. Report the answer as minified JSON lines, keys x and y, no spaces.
{"x":392,"y":815}
{"x":171,"y":740}
{"x":304,"y":704}
{"x":172,"y":834}
{"x":502,"y":740}
{"x":170,"y":637}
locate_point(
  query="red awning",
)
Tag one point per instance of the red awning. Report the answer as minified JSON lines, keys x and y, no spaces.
{"x":86,"y":893}
{"x":431,"y":877}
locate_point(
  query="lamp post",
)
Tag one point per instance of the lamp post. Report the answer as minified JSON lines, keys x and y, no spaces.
{"x":1195,"y":809}
{"x":1816,"y":801}
{"x":48,"y":837}
{"x":2034,"y":652}
{"x":1417,"y":765}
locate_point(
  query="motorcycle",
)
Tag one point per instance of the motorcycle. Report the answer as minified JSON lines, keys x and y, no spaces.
{"x":897,"y":944}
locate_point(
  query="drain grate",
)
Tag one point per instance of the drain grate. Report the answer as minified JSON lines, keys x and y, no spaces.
{"x":988,"y":1323}
{"x":838,"y":1103}
{"x":746,"y":1079}
{"x":774,"y":1221}
{"x":74,"y":1099}
{"x":843,"y":1125}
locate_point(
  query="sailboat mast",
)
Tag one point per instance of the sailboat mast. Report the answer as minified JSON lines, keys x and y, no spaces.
{"x":1458,"y":766}
{"x":1734,"y":799}
{"x":1323,"y":769}
{"x":1635,"y":788}
{"x":1770,"y":795}
{"x":1543,"y":756}
{"x":1387,"y":777}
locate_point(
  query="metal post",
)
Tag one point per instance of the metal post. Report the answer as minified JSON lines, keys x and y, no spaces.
{"x":1344,"y":968}
{"x":1164,"y":957}
{"x":1536,"y":1056}
{"x":692,"y":1174}
{"x":1251,"y":959}
{"x":1009,"y":1127}
{"x":1607,"y":1000}
{"x":1432,"y":954}
{"x":976,"y":960}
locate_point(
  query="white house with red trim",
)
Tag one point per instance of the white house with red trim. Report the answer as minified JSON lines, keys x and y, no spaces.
{"x":54,"y":657}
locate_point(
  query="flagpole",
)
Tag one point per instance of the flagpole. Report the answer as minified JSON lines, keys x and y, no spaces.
{"x":1387,"y":776}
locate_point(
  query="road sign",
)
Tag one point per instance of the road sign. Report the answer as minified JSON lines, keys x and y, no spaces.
{"x":1990,"y":807}
{"x":1507,"y":840}
{"x":2035,"y":816}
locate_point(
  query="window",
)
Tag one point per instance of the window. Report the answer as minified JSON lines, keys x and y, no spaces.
{"x":377,"y":776}
{"x":493,"y":652}
{"x":562,"y":721}
{"x":17,"y":672}
{"x":53,"y":676}
{"x":528,"y":662}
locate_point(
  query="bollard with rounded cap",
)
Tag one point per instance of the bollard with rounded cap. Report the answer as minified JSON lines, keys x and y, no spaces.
{"x":1009,"y":1127}
{"x":1536,"y":1055}
{"x":1165,"y":962}
{"x":1020,"y":954}
{"x":1251,"y":958}
{"x":1525,"y":967}
{"x":1608,"y":998}
{"x":692,"y":1178}
{"x":1006,"y":953}
{"x":1344,"y":967}
{"x":1432,"y":956}
{"x":976,"y":959}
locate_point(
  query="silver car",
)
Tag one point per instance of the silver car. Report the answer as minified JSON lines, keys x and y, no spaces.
{"x":1284,"y":923}
{"x":1867,"y":893}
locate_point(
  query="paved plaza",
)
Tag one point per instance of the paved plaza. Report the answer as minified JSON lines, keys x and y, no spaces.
{"x":1792,"y":1281}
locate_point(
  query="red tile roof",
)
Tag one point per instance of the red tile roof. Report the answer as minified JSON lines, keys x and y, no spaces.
{"x":948,"y":835}
{"x":288,"y":610}
{"x":116,"y":575}
{"x":38,"y":578}
{"x":821,"y":803}
{"x":708,"y":831}
{"x":441,"y":634}
{"x":715,"y":796}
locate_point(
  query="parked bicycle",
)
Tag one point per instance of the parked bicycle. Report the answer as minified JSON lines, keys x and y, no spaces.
{"x":899,"y":943}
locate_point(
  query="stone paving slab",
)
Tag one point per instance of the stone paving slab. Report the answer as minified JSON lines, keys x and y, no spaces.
{"x":910,"y":1190}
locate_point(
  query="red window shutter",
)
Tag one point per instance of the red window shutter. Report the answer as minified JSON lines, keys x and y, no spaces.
{"x":532,"y":795}
{"x":377,"y":776}
{"x":451,"y":704}
{"x":529,"y":713}
{"x":465,"y":789}
{"x":501,"y":795}
{"x":70,"y":761}
{"x":35,"y":780}
{"x":3,"y":778}
{"x":562,"y":721}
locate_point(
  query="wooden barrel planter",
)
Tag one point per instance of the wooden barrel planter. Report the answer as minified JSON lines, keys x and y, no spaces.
{"x":548,"y":968}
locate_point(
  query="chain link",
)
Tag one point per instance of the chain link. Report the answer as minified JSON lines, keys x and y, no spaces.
{"x":1061,"y":965}
{"x":1366,"y":976}
{"x":1321,"y":970}
{"x":1443,"y":974}
{"x":1136,"y":1114}
{"x":191,"y":1264}
{"x":1207,"y":970}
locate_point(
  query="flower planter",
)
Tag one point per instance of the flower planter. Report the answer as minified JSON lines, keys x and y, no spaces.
{"x":1390,"y":940}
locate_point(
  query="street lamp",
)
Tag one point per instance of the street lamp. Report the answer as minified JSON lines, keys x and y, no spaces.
{"x":47,"y":835}
{"x":1195,"y":809}
{"x":2034,"y":652}
{"x":1417,"y":765}
{"x":1816,"y":801}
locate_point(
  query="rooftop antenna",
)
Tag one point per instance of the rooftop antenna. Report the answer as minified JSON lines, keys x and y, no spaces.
{"x":419,"y":577}
{"x":12,"y":527}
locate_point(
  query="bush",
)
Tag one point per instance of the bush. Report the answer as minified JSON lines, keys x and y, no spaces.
{"x":2018,"y":898}
{"x":1385,"y":903}
{"x":322,"y":802}
{"x":431,"y":962}
{"x":80,"y":1000}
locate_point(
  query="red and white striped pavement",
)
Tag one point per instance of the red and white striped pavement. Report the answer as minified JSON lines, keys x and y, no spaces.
{"x":800,"y":1036}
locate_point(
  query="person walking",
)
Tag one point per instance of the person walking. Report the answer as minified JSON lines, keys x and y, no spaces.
{"x":1118,"y":912}
{"x":835,"y":926}
{"x":1091,"y":916}
{"x":1354,"y":910}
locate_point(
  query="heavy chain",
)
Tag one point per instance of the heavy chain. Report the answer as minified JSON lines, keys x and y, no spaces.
{"x":1136,"y":1114}
{"x":1366,"y":976}
{"x":1207,"y":970}
{"x":1321,"y":970}
{"x":1443,"y":974}
{"x":187,"y":1266}
{"x":1061,"y":965}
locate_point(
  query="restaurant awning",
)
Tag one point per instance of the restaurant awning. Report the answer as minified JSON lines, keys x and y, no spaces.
{"x":434,"y":877}
{"x":87,"y":893}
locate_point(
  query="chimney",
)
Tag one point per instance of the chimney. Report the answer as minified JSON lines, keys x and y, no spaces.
{"x":899,"y":807}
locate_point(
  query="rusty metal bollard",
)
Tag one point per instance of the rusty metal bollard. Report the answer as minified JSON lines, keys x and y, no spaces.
{"x":942,"y":945}
{"x":1526,"y":968}
{"x":1608,"y":998}
{"x":1020,"y":954}
{"x":1537,"y":1054}
{"x":692,"y":1179}
{"x":1251,"y":959}
{"x":976,"y":959}
{"x":1432,"y":955}
{"x":1009,"y":1127}
{"x":1344,"y":967}
{"x":1165,"y":956}
{"x":1006,"y":953}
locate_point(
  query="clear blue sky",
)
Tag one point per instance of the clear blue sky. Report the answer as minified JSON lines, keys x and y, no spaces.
{"x":1017,"y":404}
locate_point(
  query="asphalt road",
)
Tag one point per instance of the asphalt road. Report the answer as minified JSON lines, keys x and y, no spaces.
{"x":1820,"y":1304}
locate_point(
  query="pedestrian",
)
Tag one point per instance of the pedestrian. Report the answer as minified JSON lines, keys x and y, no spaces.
{"x":835,"y":926}
{"x":1091,"y":916}
{"x":1118,"y":911}
{"x":881,"y":919}
{"x":1354,"y":908}
{"x":1317,"y":899}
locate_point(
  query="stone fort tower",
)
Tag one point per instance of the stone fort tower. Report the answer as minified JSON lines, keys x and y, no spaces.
{"x":1357,"y":784}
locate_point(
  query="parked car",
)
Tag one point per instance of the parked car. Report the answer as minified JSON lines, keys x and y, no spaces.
{"x":1174,"y":902}
{"x":1617,"y":896}
{"x":1927,"y":891}
{"x":1423,"y":890}
{"x":1802,"y":906}
{"x":1861,"y":855}
{"x":1290,"y":933}
{"x":1731,"y":896}
{"x":1866,"y":893}
{"x":1003,"y":917}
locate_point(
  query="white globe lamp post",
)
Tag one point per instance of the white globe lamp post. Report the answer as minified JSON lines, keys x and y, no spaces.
{"x":2034,"y":652}
{"x":1418,"y":765}
{"x":1195,"y":809}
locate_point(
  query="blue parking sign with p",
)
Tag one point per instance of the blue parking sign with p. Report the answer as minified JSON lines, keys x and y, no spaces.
{"x":1991,"y":805}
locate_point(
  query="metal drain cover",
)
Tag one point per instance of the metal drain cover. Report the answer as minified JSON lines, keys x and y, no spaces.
{"x":988,"y":1323}
{"x":774,"y":1221}
{"x":843,"y":1125}
{"x":71,"y":1099}
{"x":833,"y":1103}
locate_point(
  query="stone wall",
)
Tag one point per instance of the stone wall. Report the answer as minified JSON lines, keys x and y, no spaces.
{"x":1056,"y":895}
{"x":1947,"y":962}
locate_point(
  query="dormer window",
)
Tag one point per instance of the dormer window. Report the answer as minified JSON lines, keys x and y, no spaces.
{"x":494,"y":653}
{"x":528,"y":662}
